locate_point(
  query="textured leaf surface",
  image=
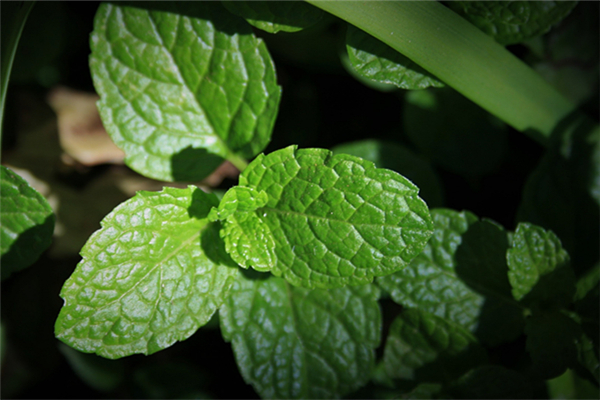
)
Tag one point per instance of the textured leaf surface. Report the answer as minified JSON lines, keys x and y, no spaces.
{"x":275,"y":16}
{"x":425,"y":348}
{"x":511,"y":22}
{"x":248,"y":240}
{"x":539,"y":267}
{"x":453,"y":132}
{"x":337,"y":219}
{"x":551,"y":342}
{"x":430,"y":282}
{"x":291,"y":342}
{"x":182,"y":86}
{"x":376,"y":60}
{"x":145,"y":280}
{"x":399,"y":158}
{"x":26,"y":223}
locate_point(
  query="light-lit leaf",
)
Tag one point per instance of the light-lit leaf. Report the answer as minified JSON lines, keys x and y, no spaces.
{"x":26,"y":223}
{"x":430,"y":282}
{"x":399,"y":158}
{"x":275,"y":16}
{"x":146,"y":280}
{"x":377,"y":61}
{"x":336,"y":219}
{"x":291,"y":342}
{"x":421,"y":347}
{"x":511,"y":22}
{"x":539,"y":269}
{"x":182,"y":85}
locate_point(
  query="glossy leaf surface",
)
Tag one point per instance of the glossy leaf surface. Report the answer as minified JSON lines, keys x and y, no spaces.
{"x":182,"y":86}
{"x":145,"y":280}
{"x":430,"y":282}
{"x":421,"y":347}
{"x":391,"y":155}
{"x":291,"y":342}
{"x":539,"y":268}
{"x":276,"y":16}
{"x":337,"y":219}
{"x":26,"y":223}
{"x":377,"y":61}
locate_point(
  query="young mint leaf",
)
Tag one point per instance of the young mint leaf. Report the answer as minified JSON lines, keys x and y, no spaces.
{"x":510,"y":22}
{"x":26,"y":223}
{"x":145,"y":280}
{"x":454,"y":132}
{"x":274,"y":16}
{"x":291,"y":342}
{"x":551,"y":342}
{"x":539,"y":269}
{"x":183,"y":85}
{"x":399,"y":158}
{"x":497,"y":382}
{"x":430,"y":282}
{"x":422,"y":347}
{"x":588,"y":358}
{"x":377,"y":61}
{"x":247,"y":238}
{"x":336,"y":219}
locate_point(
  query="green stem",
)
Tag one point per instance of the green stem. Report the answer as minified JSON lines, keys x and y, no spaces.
{"x":239,"y":162}
{"x":463,"y":57}
{"x":14,"y":15}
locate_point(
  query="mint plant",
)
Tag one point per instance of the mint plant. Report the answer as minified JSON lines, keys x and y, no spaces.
{"x":297,"y":260}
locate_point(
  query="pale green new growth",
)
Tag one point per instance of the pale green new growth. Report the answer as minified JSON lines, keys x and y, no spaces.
{"x":275,"y":16}
{"x":26,"y":223}
{"x":182,"y":86}
{"x":336,"y":219}
{"x":291,"y":342}
{"x":145,"y":280}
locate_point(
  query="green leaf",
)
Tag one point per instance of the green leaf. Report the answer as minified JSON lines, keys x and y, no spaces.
{"x":539,"y":269}
{"x":453,"y":132}
{"x":99,"y":373}
{"x":562,"y":194}
{"x":551,"y":342}
{"x":421,"y":347}
{"x":571,"y":386}
{"x":274,"y":16}
{"x":182,"y":86}
{"x":510,"y":22}
{"x":145,"y":280}
{"x":399,"y":158}
{"x":588,"y":358}
{"x":26,"y":223}
{"x":377,"y":61}
{"x":337,"y":219}
{"x":430,"y":283}
{"x":588,"y":282}
{"x":497,"y":382}
{"x":291,"y":342}
{"x":247,"y":238}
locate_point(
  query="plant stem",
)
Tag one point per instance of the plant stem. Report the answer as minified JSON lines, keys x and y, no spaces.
{"x":14,"y":15}
{"x":239,"y":162}
{"x":463,"y":57}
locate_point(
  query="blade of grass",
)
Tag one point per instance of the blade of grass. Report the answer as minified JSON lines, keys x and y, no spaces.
{"x":14,"y":15}
{"x":462,"y":56}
